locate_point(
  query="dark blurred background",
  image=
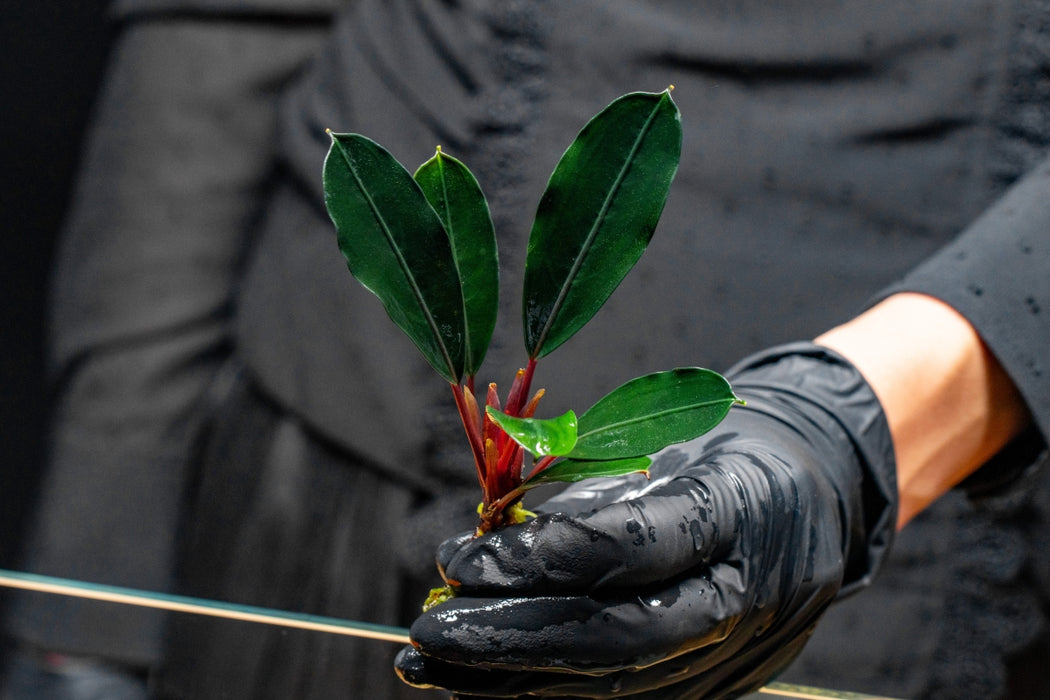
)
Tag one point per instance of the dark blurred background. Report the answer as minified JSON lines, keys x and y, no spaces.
{"x":52,"y":61}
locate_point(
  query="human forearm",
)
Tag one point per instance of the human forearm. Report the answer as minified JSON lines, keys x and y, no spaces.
{"x":949,"y":403}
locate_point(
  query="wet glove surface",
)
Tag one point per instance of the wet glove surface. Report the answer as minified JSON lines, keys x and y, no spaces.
{"x":703,"y":582}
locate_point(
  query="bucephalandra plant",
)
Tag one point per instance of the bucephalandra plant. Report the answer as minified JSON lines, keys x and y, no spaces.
{"x":425,"y":245}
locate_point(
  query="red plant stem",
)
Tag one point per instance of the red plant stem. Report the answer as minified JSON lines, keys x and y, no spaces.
{"x":530,"y":409}
{"x":489,"y":429}
{"x":515,"y":391}
{"x":520,"y":390}
{"x":473,"y":410}
{"x":492,"y":398}
{"x":497,"y":457}
{"x":540,"y":465}
{"x":514,"y":470}
{"x":492,"y":475}
{"x":470,"y":425}
{"x":506,"y":455}
{"x":508,"y":473}
{"x":501,"y":503}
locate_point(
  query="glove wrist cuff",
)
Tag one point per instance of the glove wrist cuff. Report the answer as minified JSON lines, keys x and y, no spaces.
{"x":827,"y":382}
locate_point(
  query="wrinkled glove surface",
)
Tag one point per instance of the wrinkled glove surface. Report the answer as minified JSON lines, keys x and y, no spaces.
{"x":703,"y":582}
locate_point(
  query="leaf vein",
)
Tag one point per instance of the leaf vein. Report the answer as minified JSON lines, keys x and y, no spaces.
{"x":599,"y":219}
{"x":655,"y":415}
{"x":413,"y":285}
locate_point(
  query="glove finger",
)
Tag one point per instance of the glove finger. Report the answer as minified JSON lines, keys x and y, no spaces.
{"x":595,"y":633}
{"x":718,"y":670}
{"x":665,"y":681}
{"x":729,"y":669}
{"x":588,"y":496}
{"x":448,"y":549}
{"x":658,"y":536}
{"x":421,"y":671}
{"x":592,"y":494}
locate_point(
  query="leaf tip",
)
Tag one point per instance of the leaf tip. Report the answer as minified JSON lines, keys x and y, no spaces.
{"x":670,"y":88}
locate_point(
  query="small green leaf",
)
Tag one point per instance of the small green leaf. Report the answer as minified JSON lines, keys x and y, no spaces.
{"x":457,"y":198}
{"x":598,"y":214}
{"x":540,"y":436}
{"x":653,"y":411}
{"x":573,"y":470}
{"x":395,"y":245}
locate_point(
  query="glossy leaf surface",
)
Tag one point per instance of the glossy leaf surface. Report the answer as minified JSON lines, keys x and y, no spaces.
{"x":457,"y":198}
{"x":573,"y":470}
{"x":653,"y":411}
{"x":598,"y":214}
{"x":540,"y":436}
{"x":395,"y":245}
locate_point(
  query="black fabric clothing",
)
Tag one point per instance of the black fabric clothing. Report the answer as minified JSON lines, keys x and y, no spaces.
{"x":829,"y":148}
{"x":143,"y":288}
{"x":269,"y":11}
{"x":995,"y":275}
{"x":330,"y":554}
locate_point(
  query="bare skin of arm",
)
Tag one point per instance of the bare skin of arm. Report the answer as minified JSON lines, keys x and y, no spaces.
{"x":949,"y":404}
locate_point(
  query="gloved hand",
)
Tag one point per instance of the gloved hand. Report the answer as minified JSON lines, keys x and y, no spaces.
{"x":704,"y":582}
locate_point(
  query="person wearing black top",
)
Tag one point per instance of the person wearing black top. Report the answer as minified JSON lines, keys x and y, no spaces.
{"x":236,"y":419}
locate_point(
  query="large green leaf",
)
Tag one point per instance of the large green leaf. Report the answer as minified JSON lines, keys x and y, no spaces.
{"x":573,"y":470}
{"x":653,"y":411}
{"x":395,"y":245}
{"x":540,"y":436}
{"x":598,"y":214}
{"x":456,"y":196}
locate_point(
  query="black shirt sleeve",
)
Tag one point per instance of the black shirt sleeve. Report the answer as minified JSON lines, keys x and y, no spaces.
{"x":997,"y":275}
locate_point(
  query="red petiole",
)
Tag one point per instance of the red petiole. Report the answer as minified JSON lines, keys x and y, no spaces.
{"x":497,"y":458}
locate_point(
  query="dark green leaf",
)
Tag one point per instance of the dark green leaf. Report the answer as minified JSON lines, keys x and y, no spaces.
{"x":598,"y":214}
{"x":456,"y":196}
{"x":395,"y":245}
{"x":651,"y":412}
{"x":572,"y":470}
{"x":540,"y":436}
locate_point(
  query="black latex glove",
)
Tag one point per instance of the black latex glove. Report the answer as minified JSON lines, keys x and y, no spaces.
{"x":704,"y":582}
